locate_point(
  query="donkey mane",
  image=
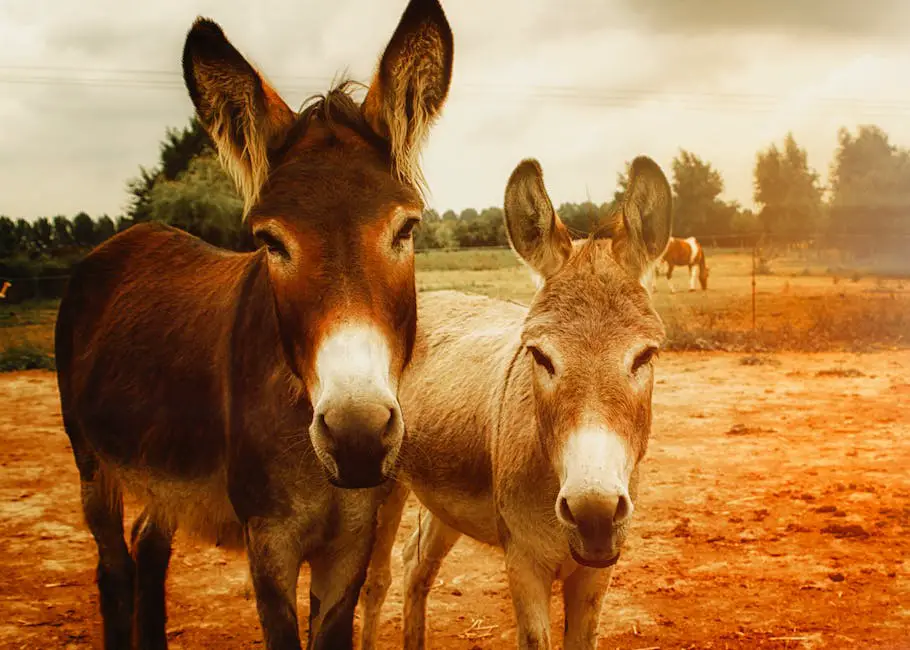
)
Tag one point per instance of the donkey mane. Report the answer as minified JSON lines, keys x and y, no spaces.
{"x":338,"y":108}
{"x":333,"y":109}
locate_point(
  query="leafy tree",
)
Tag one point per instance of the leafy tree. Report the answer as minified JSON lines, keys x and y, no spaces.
{"x":425,"y":235}
{"x":104,"y":230}
{"x":469,"y":215}
{"x":788,"y":191}
{"x":744,"y":222}
{"x":444,"y":234}
{"x":140,"y":191}
{"x":697,"y":211}
{"x":203,"y":201}
{"x":83,"y":230}
{"x":181,"y":147}
{"x":582,"y":218}
{"x":9,"y":242}
{"x":622,"y":183}
{"x":123,"y":223}
{"x":43,"y":234}
{"x":63,"y":232}
{"x":26,"y":239}
{"x":870,"y":190}
{"x":178,"y":149}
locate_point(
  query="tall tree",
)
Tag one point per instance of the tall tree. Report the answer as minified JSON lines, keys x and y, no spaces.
{"x":870,"y":190}
{"x":43,"y":234}
{"x":140,"y":193}
{"x":83,"y":230}
{"x":181,"y":146}
{"x":697,"y":211}
{"x":581,"y":218}
{"x":25,"y":236}
{"x":203,"y":201}
{"x":469,"y":214}
{"x":104,"y":229}
{"x":123,"y":223}
{"x":622,"y":183}
{"x":788,"y":191}
{"x":63,"y":232}
{"x":178,"y":149}
{"x":9,"y":243}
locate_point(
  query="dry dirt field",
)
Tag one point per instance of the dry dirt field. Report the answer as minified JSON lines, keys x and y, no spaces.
{"x":775,"y":514}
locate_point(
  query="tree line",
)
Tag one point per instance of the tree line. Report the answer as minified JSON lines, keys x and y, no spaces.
{"x":867,"y":197}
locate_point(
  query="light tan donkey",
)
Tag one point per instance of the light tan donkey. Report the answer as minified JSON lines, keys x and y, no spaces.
{"x":526,"y":426}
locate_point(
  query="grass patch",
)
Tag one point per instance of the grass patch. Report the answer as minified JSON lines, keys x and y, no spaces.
{"x":466,"y":260}
{"x":796,"y":312}
{"x":26,"y":356}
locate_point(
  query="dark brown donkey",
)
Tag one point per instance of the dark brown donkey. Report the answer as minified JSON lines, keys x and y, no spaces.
{"x":239,"y":394}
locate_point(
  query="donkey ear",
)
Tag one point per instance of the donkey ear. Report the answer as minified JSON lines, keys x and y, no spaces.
{"x":642,"y":225}
{"x":535,"y":231}
{"x":244,"y":116}
{"x":411,"y":84}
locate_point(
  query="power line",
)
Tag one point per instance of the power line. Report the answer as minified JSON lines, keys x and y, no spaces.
{"x":578,"y":95}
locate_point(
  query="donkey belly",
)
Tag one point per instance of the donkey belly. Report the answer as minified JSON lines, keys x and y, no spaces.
{"x":166,"y":453}
{"x":470,"y":514}
{"x":201,"y":507}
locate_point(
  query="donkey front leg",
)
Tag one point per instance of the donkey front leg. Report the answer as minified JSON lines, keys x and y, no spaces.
{"x":583,"y":593}
{"x":530,"y":583}
{"x":275,"y":555}
{"x":337,"y":573}
{"x":423,"y":557}
{"x":379,"y":575}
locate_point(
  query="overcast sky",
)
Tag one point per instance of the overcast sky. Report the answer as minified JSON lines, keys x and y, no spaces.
{"x":87,"y":88}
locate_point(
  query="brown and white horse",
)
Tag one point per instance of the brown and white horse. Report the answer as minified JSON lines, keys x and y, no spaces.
{"x":239,"y":394}
{"x":684,"y":252}
{"x":5,"y":288}
{"x":526,"y":426}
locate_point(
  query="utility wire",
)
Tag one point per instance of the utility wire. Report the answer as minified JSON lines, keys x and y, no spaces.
{"x":577,"y":95}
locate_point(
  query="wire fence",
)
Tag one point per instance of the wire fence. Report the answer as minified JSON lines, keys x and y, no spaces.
{"x":840,"y":252}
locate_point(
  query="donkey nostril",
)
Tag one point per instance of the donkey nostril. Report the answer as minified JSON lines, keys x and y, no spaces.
{"x":623,"y":509}
{"x":566,"y":512}
{"x":389,"y":425}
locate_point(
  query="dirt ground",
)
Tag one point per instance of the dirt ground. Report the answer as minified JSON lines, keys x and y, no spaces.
{"x":775,"y":514}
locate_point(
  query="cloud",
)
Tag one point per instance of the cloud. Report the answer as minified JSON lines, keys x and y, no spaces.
{"x":87,"y":90}
{"x":838,"y":18}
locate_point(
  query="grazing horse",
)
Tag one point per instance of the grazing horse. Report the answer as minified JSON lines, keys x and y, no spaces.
{"x":526,"y":426}
{"x":238,"y":395}
{"x":5,"y":288}
{"x":685,"y":252}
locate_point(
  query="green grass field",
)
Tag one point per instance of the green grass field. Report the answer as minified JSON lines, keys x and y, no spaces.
{"x":801,"y":305}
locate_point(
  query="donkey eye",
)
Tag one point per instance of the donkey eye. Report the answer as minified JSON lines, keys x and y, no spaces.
{"x":406,"y":231}
{"x":644,"y":358}
{"x":272,"y":243}
{"x":542,"y":360}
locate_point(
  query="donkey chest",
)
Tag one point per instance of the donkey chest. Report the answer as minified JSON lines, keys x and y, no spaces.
{"x":449,"y":469}
{"x":201,"y":507}
{"x":470,"y":514}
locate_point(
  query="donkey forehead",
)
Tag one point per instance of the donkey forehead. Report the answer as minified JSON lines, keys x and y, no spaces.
{"x":593,"y":304}
{"x":335,"y":174}
{"x":332,"y":192}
